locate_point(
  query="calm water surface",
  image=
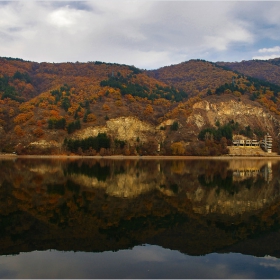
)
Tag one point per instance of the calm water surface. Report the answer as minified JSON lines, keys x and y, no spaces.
{"x":139,"y":219}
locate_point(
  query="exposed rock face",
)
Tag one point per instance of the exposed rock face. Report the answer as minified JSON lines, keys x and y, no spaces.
{"x":124,"y":128}
{"x":44,"y":144}
{"x":197,"y":119}
{"x":205,"y":112}
{"x":166,"y":123}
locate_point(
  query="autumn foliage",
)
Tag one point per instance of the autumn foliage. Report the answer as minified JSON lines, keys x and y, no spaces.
{"x":52,"y":101}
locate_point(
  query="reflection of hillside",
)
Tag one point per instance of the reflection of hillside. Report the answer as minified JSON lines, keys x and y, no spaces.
{"x":210,"y":186}
{"x":189,"y":206}
{"x":127,"y":185}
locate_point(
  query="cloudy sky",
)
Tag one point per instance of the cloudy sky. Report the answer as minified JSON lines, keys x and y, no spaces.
{"x":145,"y":33}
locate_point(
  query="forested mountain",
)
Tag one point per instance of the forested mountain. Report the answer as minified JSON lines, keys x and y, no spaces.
{"x":107,"y":108}
{"x":268,"y":70}
{"x":194,"y":76}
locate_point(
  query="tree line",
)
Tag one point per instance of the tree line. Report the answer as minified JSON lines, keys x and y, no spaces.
{"x":127,"y":87}
{"x":227,"y":131}
{"x":9,"y":91}
{"x":94,"y":143}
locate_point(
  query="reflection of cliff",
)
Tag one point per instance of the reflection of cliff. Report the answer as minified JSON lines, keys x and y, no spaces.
{"x":245,"y":200}
{"x":126,"y":184}
{"x":79,"y":205}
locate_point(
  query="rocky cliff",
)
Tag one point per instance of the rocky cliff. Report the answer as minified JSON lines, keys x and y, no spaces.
{"x":123,"y":128}
{"x":206,"y":112}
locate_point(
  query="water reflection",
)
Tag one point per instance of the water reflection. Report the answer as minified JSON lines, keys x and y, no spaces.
{"x":152,"y":262}
{"x":196,"y":207}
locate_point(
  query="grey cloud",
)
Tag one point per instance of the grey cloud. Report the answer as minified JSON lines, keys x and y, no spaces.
{"x":78,"y":5}
{"x":147,"y":34}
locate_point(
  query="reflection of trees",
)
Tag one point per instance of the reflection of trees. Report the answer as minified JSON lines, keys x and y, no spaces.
{"x":96,"y":170}
{"x":232,"y":187}
{"x":41,"y":202}
{"x":216,"y":180}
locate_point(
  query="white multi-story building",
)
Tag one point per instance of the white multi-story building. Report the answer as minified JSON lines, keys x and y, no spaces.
{"x":265,"y":144}
{"x":246,"y":143}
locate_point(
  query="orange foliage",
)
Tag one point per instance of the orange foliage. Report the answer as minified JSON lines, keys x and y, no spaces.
{"x":2,"y":122}
{"x":18,"y":130}
{"x":193,"y":76}
{"x":149,"y":110}
{"x":265,"y":70}
{"x":38,"y":132}
{"x":54,"y":114}
{"x":23,"y":117}
{"x":130,"y":97}
{"x":105,"y":107}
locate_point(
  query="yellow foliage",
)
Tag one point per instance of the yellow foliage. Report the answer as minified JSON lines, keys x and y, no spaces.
{"x":149,"y":109}
{"x":11,"y":112}
{"x":177,"y":148}
{"x":73,"y":108}
{"x":91,"y":117}
{"x":43,"y":104}
{"x":26,"y":107}
{"x":162,"y":102}
{"x":118,"y":103}
{"x":237,"y":93}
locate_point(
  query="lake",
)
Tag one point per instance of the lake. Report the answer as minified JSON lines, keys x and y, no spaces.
{"x":90,"y":218}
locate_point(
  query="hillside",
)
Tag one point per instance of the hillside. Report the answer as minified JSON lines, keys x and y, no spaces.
{"x":106,"y":108}
{"x":268,"y":70}
{"x":194,"y":76}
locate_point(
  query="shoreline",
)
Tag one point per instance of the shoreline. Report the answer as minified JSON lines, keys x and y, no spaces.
{"x":122,"y":157}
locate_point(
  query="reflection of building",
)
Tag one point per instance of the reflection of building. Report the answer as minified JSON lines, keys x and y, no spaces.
{"x":244,"y":173}
{"x":265,"y":144}
{"x":250,"y":172}
{"x":267,"y":172}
